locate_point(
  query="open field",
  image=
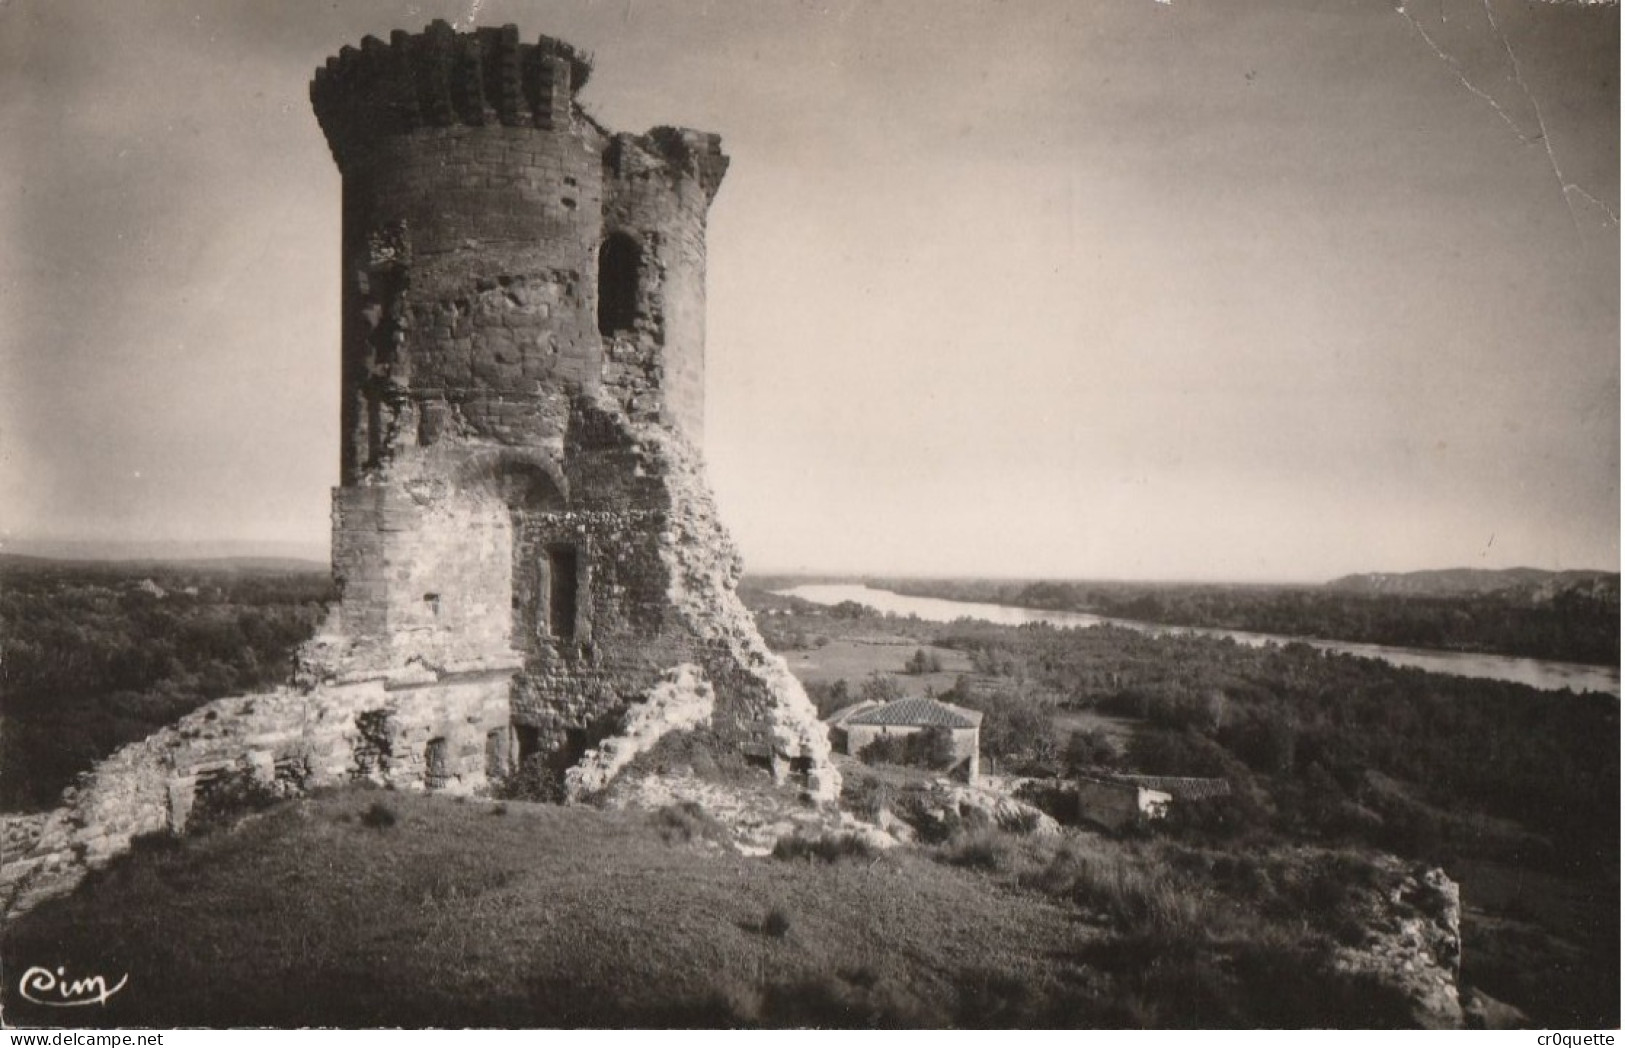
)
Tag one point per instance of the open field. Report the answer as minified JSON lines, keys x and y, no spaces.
{"x":855,"y":659}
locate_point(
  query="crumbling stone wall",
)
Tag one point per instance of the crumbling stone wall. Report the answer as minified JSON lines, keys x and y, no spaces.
{"x":287,"y":740}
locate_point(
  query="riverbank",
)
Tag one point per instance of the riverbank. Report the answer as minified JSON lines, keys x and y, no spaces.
{"x":1543,"y":674}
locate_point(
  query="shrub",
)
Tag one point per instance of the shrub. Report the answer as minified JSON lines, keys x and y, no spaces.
{"x":881,"y":688}
{"x":933,"y":822}
{"x":1138,"y":895}
{"x":829,"y":697}
{"x":983,"y":849}
{"x":1056,"y":798}
{"x":923,"y":662}
{"x":378,"y":816}
{"x":699,"y":753}
{"x":931,"y":748}
{"x":867,"y":798}
{"x":847,"y":1000}
{"x":1090,"y":749}
{"x":534,"y":780}
{"x":776,"y":925}
{"x":221,"y":801}
{"x":685,"y":822}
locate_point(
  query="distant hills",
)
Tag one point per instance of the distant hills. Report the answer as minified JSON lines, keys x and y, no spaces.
{"x":164,"y":551}
{"x":1529,"y":584}
{"x":17,"y":563}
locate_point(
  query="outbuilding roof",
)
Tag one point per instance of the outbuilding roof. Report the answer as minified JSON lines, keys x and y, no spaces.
{"x":921,"y":712}
{"x":846,"y":713}
{"x":1180,"y":787}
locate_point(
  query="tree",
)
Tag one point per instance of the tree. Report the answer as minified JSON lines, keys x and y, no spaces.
{"x":880,"y":687}
{"x":1091,"y":748}
{"x":922,"y":662}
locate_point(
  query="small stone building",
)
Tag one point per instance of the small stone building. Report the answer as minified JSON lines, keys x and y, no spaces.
{"x":1117,"y":800}
{"x":1113,"y":805}
{"x":1180,"y":787}
{"x":866,"y":723}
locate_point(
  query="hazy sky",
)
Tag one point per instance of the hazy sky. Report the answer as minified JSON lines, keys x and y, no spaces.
{"x":1273,"y":289}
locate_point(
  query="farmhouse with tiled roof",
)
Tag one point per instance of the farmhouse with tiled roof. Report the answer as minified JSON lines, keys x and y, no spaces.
{"x":863,"y":724}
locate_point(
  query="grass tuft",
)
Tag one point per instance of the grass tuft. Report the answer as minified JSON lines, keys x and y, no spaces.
{"x":378,"y":816}
{"x":980,"y":849}
{"x":826,"y":847}
{"x":776,"y":925}
{"x":686,"y":822}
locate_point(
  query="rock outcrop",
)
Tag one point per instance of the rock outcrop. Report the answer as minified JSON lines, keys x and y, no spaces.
{"x":1412,"y":925}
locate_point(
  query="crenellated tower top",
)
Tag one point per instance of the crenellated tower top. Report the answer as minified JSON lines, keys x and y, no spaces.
{"x":439,"y":77}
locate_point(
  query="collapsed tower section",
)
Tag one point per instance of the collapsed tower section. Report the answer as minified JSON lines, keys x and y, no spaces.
{"x":521,"y":499}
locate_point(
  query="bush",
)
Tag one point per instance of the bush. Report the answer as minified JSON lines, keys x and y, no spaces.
{"x":930,"y":748}
{"x":702,"y":754}
{"x":827,"y":847}
{"x":847,"y":1000}
{"x":1091,"y":749}
{"x":776,"y":925}
{"x":982,"y":849}
{"x":534,"y":780}
{"x":1135,"y":895}
{"x":923,"y":662}
{"x":933,"y":822}
{"x":378,"y":816}
{"x":687,"y":821}
{"x":222,"y":801}
{"x":867,"y":798}
{"x":830,"y":697}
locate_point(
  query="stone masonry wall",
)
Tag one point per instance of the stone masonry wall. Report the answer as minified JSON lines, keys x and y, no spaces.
{"x":363,"y":731}
{"x":663,"y":575}
{"x":658,"y":191}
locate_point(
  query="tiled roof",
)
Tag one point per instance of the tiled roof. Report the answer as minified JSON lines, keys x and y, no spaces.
{"x":924,"y":713}
{"x":846,"y":713}
{"x":1115,"y":784}
{"x":1180,"y":786}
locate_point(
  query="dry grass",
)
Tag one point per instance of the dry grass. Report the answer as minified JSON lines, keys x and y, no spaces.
{"x":825,"y":847}
{"x":570,"y":916}
{"x":547,"y":916}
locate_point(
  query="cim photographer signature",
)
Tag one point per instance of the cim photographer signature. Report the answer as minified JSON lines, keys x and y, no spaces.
{"x":54,"y":989}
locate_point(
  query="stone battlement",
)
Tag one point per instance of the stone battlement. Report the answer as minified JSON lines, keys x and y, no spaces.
{"x":439,"y":77}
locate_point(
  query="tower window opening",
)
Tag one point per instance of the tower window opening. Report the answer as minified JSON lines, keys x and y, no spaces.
{"x":436,"y":763}
{"x":496,"y":753}
{"x":527,"y":742}
{"x":619,"y":263}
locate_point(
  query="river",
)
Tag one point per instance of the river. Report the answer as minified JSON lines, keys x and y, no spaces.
{"x":1537,"y":673}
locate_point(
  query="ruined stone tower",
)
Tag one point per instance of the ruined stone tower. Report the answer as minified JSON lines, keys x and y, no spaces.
{"x":530,"y":563}
{"x":523,"y":384}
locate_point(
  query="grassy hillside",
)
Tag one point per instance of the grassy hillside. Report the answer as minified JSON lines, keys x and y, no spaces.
{"x":1514,"y":792}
